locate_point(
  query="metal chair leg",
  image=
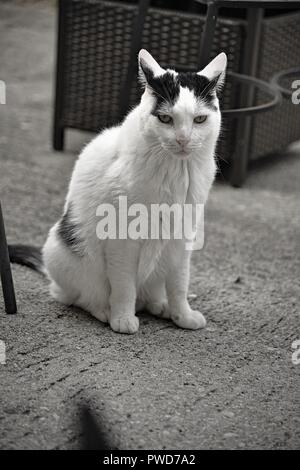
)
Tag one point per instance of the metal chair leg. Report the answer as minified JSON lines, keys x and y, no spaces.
{"x":207,"y":36}
{"x":135,"y":46}
{"x":58,"y":137}
{"x":244,"y":125}
{"x":240,"y":157}
{"x":5,"y":272}
{"x":58,"y":130}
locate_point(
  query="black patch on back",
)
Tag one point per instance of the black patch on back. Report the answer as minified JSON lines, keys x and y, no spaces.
{"x":69,"y":231}
{"x":167,"y":87}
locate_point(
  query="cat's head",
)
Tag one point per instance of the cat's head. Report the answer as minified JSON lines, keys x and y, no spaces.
{"x":181,"y":110}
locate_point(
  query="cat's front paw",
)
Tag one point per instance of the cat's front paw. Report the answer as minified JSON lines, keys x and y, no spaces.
{"x":192,"y":320}
{"x":128,"y":324}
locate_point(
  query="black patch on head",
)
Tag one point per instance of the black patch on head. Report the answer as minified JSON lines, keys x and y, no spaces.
{"x":69,"y":232}
{"x":202,"y":87}
{"x":166,"y":87}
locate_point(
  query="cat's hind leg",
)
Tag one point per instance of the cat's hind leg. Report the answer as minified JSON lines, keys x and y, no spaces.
{"x":76,"y":280}
{"x":62,"y":296}
{"x":63,"y":269}
{"x":95,"y":290}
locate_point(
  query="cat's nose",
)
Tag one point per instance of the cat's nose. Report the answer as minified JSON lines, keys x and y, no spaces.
{"x":182,"y":141}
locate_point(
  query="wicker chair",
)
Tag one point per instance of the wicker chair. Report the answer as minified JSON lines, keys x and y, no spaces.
{"x":95,"y":66}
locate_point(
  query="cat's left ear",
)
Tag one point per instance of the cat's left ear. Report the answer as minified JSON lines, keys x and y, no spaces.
{"x":215,"y":70}
{"x":148,"y":67}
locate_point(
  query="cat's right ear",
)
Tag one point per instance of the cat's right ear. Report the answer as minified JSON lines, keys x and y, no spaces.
{"x":148,"y":67}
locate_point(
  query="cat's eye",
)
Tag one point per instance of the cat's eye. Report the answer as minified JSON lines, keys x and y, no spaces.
{"x":200,"y":119}
{"x":165,"y":118}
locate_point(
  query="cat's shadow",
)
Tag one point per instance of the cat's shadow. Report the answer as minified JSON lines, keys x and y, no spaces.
{"x":92,"y":434}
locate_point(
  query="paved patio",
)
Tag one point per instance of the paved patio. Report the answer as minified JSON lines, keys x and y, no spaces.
{"x":232,"y":385}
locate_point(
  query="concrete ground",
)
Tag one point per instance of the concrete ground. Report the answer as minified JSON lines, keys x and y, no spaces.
{"x":232,"y":385}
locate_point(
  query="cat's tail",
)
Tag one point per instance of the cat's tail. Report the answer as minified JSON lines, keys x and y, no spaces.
{"x":29,"y":256}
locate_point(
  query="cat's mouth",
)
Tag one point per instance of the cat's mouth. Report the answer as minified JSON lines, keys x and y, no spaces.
{"x":180,"y":152}
{"x":183,"y":153}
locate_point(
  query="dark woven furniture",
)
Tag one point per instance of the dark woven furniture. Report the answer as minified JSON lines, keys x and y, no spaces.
{"x":95,"y":47}
{"x":95,"y":43}
{"x":5,"y":271}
